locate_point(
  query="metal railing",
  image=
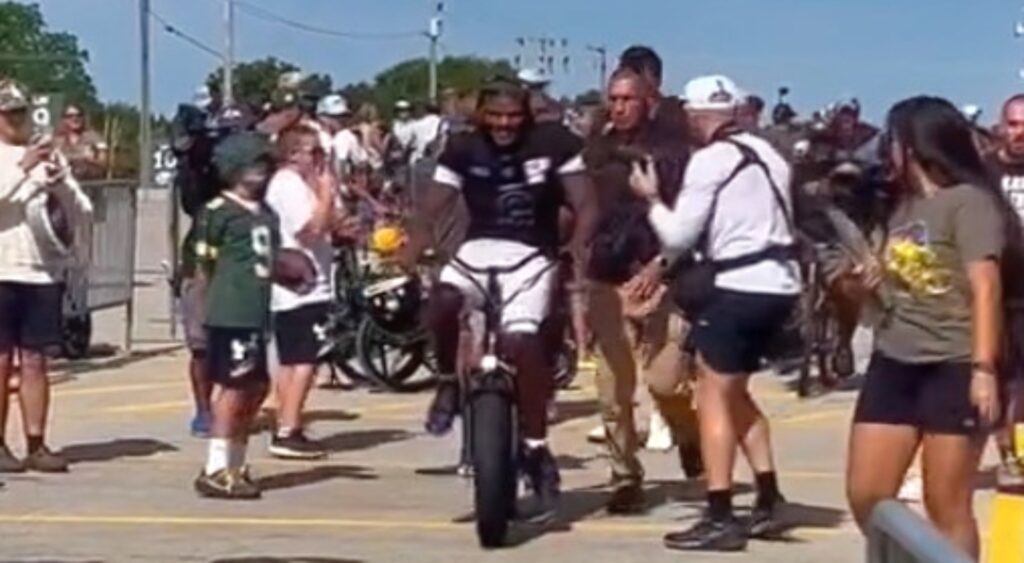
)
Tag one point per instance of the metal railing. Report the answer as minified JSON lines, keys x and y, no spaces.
{"x":898,"y":535}
{"x":109,"y":274}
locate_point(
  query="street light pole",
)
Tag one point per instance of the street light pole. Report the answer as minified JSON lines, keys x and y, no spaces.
{"x":145,"y":154}
{"x":434,"y":35}
{"x":602,"y":53}
{"x":229,"y":52}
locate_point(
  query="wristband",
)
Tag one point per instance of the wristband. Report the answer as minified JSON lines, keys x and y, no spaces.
{"x":984,"y":367}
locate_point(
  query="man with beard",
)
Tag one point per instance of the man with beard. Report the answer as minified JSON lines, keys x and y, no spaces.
{"x":1007,"y":164}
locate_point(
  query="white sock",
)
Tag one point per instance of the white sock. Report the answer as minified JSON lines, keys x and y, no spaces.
{"x":236,"y":454}
{"x":283,"y":432}
{"x":217,"y":456}
{"x":533,"y":444}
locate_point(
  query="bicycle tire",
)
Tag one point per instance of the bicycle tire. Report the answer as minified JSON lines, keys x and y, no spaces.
{"x":808,"y":304}
{"x":373,"y":343}
{"x":494,"y":466}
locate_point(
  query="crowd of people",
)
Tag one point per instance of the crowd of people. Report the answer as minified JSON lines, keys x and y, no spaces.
{"x":675,"y":229}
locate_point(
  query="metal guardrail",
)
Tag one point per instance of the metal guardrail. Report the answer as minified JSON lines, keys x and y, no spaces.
{"x":898,"y":535}
{"x":108,"y":278}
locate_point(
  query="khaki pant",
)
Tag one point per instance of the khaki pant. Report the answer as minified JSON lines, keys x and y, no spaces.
{"x":654,"y":347}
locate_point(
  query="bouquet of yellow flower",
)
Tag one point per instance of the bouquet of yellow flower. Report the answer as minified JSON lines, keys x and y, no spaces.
{"x":917,"y":267}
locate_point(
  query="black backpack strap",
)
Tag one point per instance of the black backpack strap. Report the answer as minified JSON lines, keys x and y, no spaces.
{"x":744,"y":162}
{"x":781,"y":253}
{"x":751,"y":155}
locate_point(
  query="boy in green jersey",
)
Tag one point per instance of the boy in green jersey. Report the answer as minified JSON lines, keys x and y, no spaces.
{"x":236,"y":239}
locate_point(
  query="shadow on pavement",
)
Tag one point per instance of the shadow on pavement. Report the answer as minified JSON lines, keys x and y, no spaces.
{"x":848,"y":385}
{"x":115,"y":449}
{"x":362,"y":439}
{"x":78,"y":367}
{"x":314,"y":475}
{"x":265,"y":419}
{"x":571,"y":410}
{"x":796,"y":516}
{"x":285,"y":559}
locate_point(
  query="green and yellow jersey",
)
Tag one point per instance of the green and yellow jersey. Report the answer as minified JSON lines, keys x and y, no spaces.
{"x":235,"y":245}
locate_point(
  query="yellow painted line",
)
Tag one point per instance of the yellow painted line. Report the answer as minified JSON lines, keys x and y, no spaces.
{"x":176,"y":405}
{"x":440,"y":525}
{"x":112,"y":389}
{"x":813,"y":417}
{"x":148,"y":407}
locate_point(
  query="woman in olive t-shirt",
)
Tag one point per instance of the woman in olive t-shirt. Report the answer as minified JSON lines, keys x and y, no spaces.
{"x":932,"y":381}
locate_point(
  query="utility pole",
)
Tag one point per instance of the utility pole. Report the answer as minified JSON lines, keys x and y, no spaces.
{"x":434,"y":35}
{"x":145,"y":155}
{"x":229,"y":52}
{"x":551,"y":55}
{"x":602,"y":52}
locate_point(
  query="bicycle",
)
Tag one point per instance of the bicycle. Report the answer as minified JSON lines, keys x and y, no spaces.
{"x":819,"y":331}
{"x":489,"y":416}
{"x":373,"y":330}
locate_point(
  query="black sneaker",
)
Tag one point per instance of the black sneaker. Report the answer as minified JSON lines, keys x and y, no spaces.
{"x":295,"y":446}
{"x":9,"y":463}
{"x":543,"y":478}
{"x":709,"y":535}
{"x":45,"y":461}
{"x":443,"y":409}
{"x":842,"y":361}
{"x":691,"y":461}
{"x":765,"y":523}
{"x":627,"y":498}
{"x":228,"y":484}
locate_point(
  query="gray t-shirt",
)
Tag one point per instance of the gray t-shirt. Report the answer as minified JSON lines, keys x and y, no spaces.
{"x":927,"y":293}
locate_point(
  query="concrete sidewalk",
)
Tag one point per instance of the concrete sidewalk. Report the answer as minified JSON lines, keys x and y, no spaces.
{"x":379,"y":497}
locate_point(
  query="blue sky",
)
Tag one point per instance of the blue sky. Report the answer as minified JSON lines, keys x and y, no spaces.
{"x":878,"y":50}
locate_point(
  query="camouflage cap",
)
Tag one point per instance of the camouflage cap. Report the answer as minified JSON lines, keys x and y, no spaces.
{"x":12,"y":96}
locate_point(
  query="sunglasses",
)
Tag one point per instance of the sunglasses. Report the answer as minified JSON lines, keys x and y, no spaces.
{"x":72,"y":115}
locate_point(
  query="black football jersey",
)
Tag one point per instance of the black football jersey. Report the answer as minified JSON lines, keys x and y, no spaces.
{"x":513,"y":193}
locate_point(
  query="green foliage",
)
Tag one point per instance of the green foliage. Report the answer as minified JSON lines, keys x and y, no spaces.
{"x":40,"y":59}
{"x":254,"y":82}
{"x":410,"y":80}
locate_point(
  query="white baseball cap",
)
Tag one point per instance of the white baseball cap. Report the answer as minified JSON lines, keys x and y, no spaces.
{"x":403,"y":105}
{"x":533,"y":77}
{"x":714,"y":92}
{"x":202,"y":98}
{"x":332,"y":105}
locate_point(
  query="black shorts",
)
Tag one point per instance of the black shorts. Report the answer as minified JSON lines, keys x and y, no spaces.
{"x":932,"y":397}
{"x":30,"y":315}
{"x":236,"y":358}
{"x":299,"y":334}
{"x":736,"y":330}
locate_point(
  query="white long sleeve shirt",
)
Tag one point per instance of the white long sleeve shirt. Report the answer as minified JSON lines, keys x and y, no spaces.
{"x":747,"y":217}
{"x":21,"y":259}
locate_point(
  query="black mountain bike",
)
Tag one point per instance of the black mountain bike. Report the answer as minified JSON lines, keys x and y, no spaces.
{"x":490,"y":415}
{"x":374,"y":333}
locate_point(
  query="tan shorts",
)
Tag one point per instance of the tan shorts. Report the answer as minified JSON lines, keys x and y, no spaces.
{"x":193,"y":314}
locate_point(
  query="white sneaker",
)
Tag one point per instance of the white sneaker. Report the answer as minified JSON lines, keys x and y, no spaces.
{"x":659,"y":435}
{"x":597,"y":435}
{"x":912,"y":489}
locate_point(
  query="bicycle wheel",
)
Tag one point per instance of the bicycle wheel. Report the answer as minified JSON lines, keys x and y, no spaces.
{"x":494,"y":475}
{"x":391,"y":359}
{"x":808,"y":329}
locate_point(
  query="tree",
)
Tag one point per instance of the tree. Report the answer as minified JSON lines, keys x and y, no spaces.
{"x":43,"y":61}
{"x":254,"y":82}
{"x":591,"y":97}
{"x":410,"y":80}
